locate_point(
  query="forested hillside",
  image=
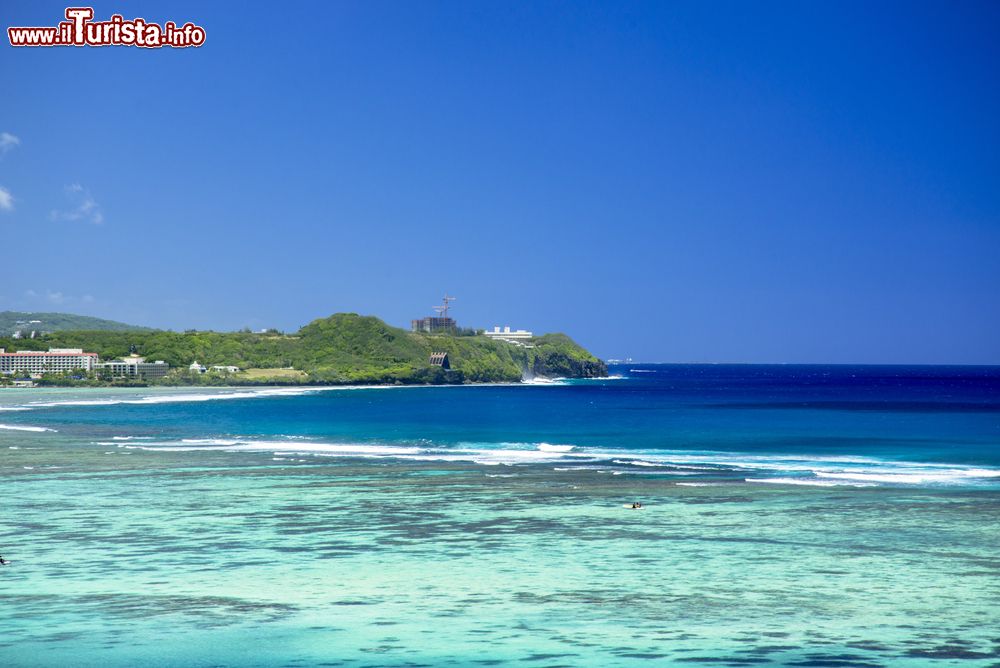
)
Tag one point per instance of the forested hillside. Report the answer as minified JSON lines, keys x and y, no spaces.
{"x":343,"y":348}
{"x":13,"y":321}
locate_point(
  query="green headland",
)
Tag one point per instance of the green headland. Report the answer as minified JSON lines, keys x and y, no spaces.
{"x":344,"y":348}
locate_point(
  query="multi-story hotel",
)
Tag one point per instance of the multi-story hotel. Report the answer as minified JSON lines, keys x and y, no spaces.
{"x":59,"y":360}
{"x":134,"y":366}
{"x":56,"y":360}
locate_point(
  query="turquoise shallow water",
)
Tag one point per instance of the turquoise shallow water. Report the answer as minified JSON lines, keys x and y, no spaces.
{"x":791,"y":518}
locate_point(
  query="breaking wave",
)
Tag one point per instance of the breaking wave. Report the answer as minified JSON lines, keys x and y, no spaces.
{"x":543,"y":381}
{"x":182,"y":397}
{"x":23,"y":427}
{"x":548,"y":447}
{"x":174,"y":398}
{"x":730,"y":467}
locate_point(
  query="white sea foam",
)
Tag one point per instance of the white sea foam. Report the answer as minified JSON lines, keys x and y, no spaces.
{"x":548,"y":447}
{"x":639,"y":462}
{"x":23,"y":427}
{"x":181,"y":397}
{"x":178,"y":398}
{"x":489,"y":457}
{"x":544,"y":381}
{"x":912,"y":477}
{"x":350,"y":449}
{"x":817,"y":471}
{"x":809,"y":482}
{"x":276,"y":447}
{"x":210,"y":441}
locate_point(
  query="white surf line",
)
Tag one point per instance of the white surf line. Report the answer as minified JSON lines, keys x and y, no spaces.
{"x":13,"y":427}
{"x":819,"y":471}
{"x":807,"y":482}
{"x":235,"y":393}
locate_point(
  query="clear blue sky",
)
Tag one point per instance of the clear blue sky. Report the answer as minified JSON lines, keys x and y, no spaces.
{"x":674,"y":181}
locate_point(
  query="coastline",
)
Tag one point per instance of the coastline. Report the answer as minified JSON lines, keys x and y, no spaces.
{"x":342,"y":349}
{"x":439,"y":427}
{"x":269,"y":383}
{"x":188,"y":392}
{"x":250,"y":387}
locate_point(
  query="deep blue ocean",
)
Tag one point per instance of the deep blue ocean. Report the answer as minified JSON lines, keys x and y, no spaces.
{"x":793,"y":515}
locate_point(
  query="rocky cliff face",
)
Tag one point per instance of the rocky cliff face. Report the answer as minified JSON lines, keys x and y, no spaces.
{"x":563,"y":366}
{"x":558,"y":356}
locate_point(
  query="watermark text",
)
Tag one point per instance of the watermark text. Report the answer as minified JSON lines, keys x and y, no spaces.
{"x":79,"y":29}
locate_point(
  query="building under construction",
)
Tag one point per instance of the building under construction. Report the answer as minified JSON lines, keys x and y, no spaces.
{"x":441,"y":323}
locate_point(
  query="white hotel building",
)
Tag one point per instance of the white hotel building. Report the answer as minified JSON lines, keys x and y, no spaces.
{"x":134,"y":366}
{"x":56,"y":360}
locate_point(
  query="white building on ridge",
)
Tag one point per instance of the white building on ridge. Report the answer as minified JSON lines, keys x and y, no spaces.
{"x":515,"y":336}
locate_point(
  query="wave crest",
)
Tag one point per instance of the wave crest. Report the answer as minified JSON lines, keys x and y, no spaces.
{"x":729,"y":467}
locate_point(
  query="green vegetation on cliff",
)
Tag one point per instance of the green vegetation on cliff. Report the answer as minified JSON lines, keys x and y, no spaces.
{"x":344,"y":348}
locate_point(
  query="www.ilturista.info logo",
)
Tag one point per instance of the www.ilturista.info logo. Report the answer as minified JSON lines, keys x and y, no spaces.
{"x":81,"y":30}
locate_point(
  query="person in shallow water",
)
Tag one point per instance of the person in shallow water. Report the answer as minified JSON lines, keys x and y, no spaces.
{"x":2,"y":562}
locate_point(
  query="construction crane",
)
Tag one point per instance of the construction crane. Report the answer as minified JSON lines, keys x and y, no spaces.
{"x":442,"y":310}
